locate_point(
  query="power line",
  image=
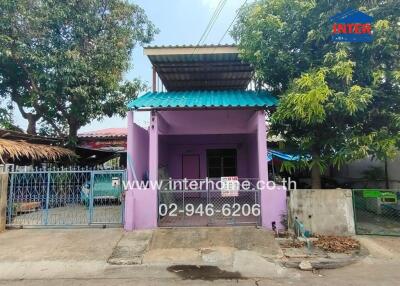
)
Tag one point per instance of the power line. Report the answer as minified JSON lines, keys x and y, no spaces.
{"x":233,"y":21}
{"x":211,"y":23}
{"x":215,"y":20}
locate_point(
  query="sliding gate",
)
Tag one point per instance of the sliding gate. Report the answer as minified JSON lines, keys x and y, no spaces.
{"x":65,"y":198}
{"x":208,"y":207}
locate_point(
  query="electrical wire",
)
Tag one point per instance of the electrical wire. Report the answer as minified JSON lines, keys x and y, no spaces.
{"x":211,"y":23}
{"x":233,"y":21}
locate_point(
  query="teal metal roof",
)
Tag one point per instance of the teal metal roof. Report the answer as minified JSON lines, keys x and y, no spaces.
{"x":199,"y":99}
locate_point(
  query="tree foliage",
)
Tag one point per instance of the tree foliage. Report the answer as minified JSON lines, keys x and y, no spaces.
{"x":62,"y":62}
{"x":338,"y":101}
{"x":6,"y":121}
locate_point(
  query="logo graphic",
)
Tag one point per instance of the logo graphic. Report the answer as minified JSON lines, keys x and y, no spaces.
{"x":352,"y":26}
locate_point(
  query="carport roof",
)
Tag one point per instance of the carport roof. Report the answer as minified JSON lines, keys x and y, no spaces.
{"x":203,"y":99}
{"x":206,"y":67}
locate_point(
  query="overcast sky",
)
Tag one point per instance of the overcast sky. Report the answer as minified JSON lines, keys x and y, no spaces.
{"x":181,"y":22}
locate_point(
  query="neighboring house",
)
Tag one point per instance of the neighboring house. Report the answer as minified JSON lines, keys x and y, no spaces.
{"x":109,"y":139}
{"x":104,"y":144}
{"x":207,"y":124}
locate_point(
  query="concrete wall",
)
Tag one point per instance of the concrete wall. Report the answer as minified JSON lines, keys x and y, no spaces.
{"x":353,"y":172}
{"x":323,"y":211}
{"x":3,"y":200}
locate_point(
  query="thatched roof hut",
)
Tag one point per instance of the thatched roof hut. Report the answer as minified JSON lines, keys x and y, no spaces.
{"x":21,"y":147}
{"x":17,"y":150}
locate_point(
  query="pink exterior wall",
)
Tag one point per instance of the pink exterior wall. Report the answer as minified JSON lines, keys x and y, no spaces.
{"x":273,"y":199}
{"x":252,"y":155}
{"x":177,"y":146}
{"x":173,"y":133}
{"x":273,"y":205}
{"x":198,"y":122}
{"x":128,"y":210}
{"x":140,"y":152}
{"x":138,"y":203}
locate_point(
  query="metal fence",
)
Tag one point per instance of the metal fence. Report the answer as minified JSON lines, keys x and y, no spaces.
{"x":65,"y":197}
{"x":377,"y":211}
{"x":208,"y":207}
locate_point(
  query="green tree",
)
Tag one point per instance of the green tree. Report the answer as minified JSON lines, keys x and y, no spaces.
{"x":339,"y":101}
{"x":62,"y":62}
{"x":6,"y":120}
{"x":315,"y":112}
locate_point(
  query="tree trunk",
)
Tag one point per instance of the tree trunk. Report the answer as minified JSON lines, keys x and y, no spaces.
{"x":386,"y":174}
{"x":73,"y":133}
{"x":315,"y":171}
{"x":31,"y":123}
{"x":315,"y":177}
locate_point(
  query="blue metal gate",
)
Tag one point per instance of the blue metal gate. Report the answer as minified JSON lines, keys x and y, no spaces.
{"x":65,"y":197}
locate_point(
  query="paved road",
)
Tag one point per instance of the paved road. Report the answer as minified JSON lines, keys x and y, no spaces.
{"x":78,"y":257}
{"x":369,"y":272}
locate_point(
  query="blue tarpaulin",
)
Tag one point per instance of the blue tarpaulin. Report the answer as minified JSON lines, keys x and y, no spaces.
{"x":288,"y":157}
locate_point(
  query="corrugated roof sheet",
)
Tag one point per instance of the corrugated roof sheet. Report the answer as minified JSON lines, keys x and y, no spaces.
{"x":204,"y":67}
{"x":104,"y":133}
{"x":198,"y":99}
{"x":195,"y":58}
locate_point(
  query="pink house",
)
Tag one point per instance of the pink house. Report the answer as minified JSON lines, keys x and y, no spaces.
{"x":206,"y":128}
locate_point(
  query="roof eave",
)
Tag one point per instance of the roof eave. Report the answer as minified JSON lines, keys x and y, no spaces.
{"x":177,"y":108}
{"x":188,"y":50}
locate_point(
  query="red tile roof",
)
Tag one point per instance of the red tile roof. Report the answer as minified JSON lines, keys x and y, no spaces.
{"x":108,"y":132}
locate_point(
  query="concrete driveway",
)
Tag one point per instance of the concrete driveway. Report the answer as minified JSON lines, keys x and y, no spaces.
{"x":50,"y":253}
{"x":55,"y":253}
{"x":31,"y":245}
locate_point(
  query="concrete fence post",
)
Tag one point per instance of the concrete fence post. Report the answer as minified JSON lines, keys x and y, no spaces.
{"x":3,"y":200}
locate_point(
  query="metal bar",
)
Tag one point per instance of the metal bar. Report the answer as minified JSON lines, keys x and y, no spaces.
{"x":258,"y":193}
{"x":154,"y":86}
{"x":90,"y":220}
{"x":11,"y":199}
{"x":158,"y":207}
{"x":184,"y":210}
{"x":64,"y":171}
{"x":46,"y":217}
{"x":208,"y":201}
{"x":123,"y":177}
{"x":354,"y":211}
